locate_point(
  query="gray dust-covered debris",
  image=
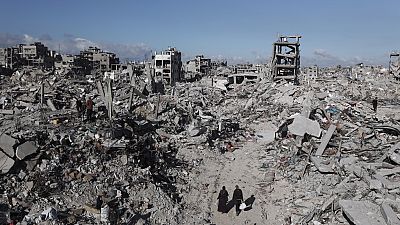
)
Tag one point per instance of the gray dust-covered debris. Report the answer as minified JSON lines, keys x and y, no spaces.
{"x":158,"y":152}
{"x":362,"y":212}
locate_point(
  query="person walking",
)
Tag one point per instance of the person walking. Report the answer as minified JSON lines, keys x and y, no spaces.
{"x":375,"y":104}
{"x":79,"y":108}
{"x":222,"y":200}
{"x":89,"y":109}
{"x":238,"y":198}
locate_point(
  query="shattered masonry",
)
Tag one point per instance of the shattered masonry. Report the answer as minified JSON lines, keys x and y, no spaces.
{"x":162,"y":143}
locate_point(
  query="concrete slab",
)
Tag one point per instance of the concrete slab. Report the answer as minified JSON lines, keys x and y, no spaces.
{"x":362,"y":212}
{"x":26,"y":149}
{"x":302,"y":125}
{"x":7,"y":111}
{"x":389,"y":215}
{"x":323,"y":165}
{"x":325,"y":140}
{"x":387,"y":172}
{"x":7,"y":143}
{"x":5,"y":163}
{"x":395,"y":157}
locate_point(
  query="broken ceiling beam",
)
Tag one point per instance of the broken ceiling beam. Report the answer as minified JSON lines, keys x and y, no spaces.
{"x":51,"y":105}
{"x":325,"y":140}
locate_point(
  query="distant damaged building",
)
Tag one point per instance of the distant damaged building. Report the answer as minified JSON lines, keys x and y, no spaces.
{"x":198,"y":65}
{"x":311,"y":72}
{"x":35,"y":55}
{"x":394,"y":65}
{"x":96,"y":59}
{"x":285,"y":63}
{"x":168,"y":66}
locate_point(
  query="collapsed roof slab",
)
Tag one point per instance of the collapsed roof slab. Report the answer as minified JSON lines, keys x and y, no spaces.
{"x":5,"y":163}
{"x":7,"y":143}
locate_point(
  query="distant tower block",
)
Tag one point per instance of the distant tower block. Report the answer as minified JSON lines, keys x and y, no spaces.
{"x":285,"y":62}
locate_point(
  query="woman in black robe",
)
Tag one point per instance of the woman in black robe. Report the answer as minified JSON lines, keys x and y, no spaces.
{"x":222,"y":200}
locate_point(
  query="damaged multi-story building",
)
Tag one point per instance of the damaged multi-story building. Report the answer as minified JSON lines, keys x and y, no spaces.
{"x":65,"y":61}
{"x":97,"y":59}
{"x":310,"y":73}
{"x":285,"y":63}
{"x":35,"y":55}
{"x":168,"y":66}
{"x":198,"y":65}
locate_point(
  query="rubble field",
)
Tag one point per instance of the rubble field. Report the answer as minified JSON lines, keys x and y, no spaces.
{"x":313,"y":153}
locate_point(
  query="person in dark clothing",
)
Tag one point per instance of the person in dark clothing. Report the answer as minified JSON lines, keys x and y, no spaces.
{"x":89,"y":109}
{"x":238,"y":198}
{"x":375,"y":104}
{"x":99,"y":202}
{"x":79,"y":108}
{"x":79,"y":105}
{"x":222,"y":200}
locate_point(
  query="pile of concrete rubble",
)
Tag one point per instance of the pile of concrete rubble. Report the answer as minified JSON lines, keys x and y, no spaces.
{"x":137,"y":166}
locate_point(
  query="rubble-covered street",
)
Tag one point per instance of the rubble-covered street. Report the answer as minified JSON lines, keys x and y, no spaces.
{"x":165,"y":160}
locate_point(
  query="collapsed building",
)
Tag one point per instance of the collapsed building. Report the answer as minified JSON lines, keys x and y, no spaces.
{"x":285,"y":61}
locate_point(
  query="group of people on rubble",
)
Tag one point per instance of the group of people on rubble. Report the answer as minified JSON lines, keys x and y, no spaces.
{"x":88,"y":107}
{"x":224,"y":206}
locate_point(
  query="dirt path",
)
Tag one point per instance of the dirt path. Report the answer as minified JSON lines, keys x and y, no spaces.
{"x":244,"y":168}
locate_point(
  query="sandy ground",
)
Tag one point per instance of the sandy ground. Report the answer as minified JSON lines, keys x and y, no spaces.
{"x":243,"y":167}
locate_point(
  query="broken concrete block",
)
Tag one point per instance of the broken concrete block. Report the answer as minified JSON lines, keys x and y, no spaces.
{"x":26,"y":149}
{"x":321,"y":95}
{"x":362,"y":212}
{"x":5,"y":163}
{"x":124,"y":159}
{"x":7,"y":143}
{"x":323,"y":165}
{"x":389,"y":215}
{"x":7,"y":111}
{"x":325,"y":140}
{"x":387,"y":172}
{"x":302,"y":125}
{"x":395,"y":157}
{"x":196,"y":131}
{"x":348,"y":160}
{"x":387,"y":183}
